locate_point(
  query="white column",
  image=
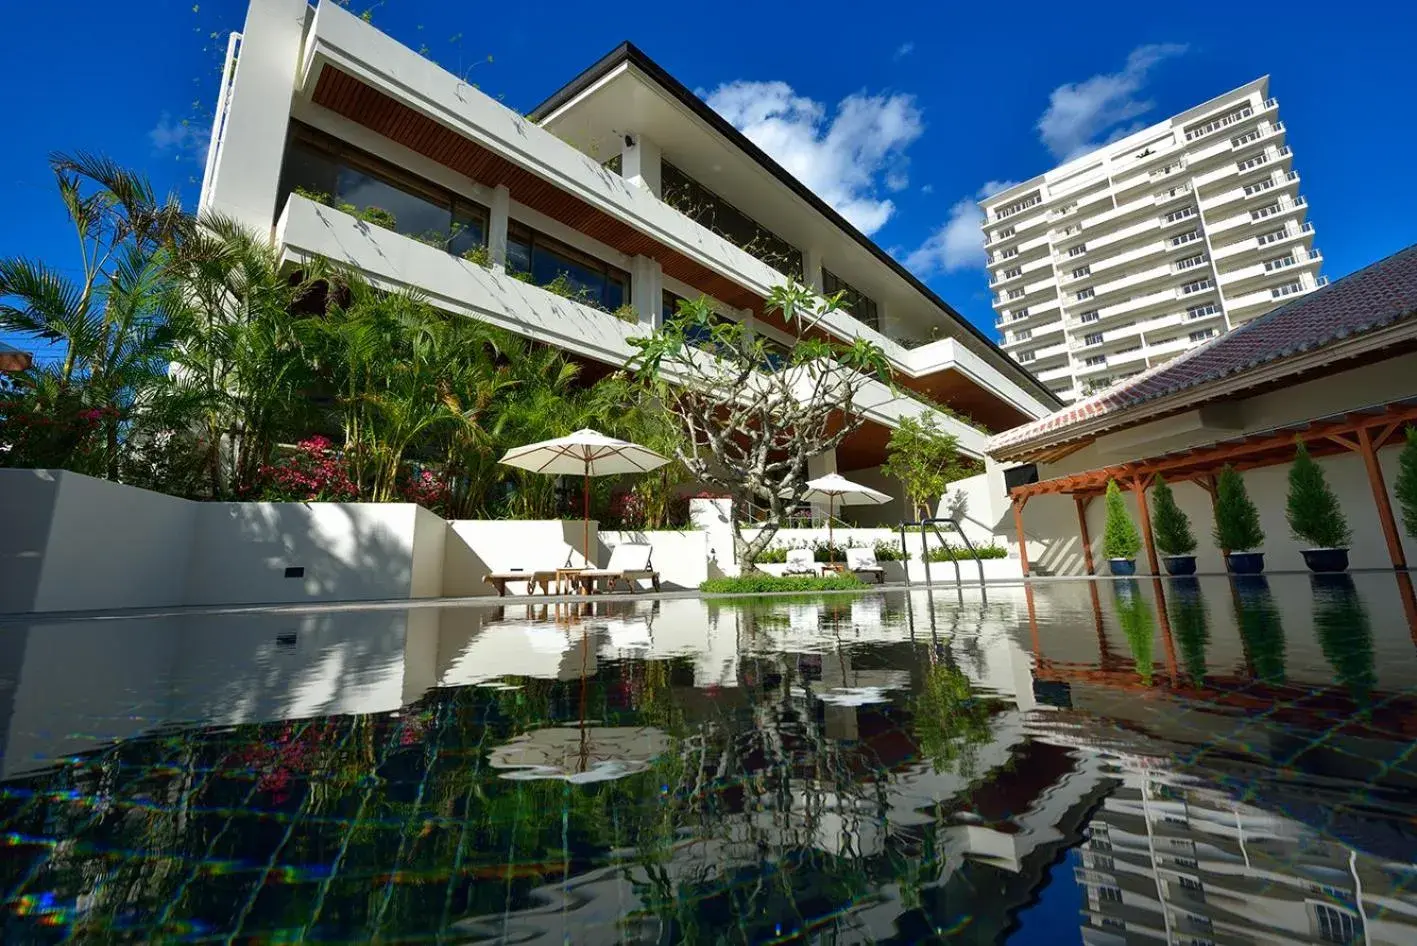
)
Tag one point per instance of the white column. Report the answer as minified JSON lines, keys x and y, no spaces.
{"x":821,"y":465}
{"x":639,"y":163}
{"x":499,"y":214}
{"x":245,"y":177}
{"x":812,"y":268}
{"x":647,"y":290}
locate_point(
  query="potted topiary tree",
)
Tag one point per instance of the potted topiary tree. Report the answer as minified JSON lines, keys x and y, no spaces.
{"x":1173,"y":531}
{"x":1406,"y":486}
{"x":1315,"y":516}
{"x":1237,"y":525}
{"x":1120,"y":539}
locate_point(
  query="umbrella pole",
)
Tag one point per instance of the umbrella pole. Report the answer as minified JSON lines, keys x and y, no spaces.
{"x":585,"y":542}
{"x":831,"y":549}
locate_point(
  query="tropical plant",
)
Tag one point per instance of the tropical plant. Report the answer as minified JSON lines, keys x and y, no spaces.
{"x":748,"y":431}
{"x":925,"y":459}
{"x":1237,"y":521}
{"x":1120,"y":539}
{"x":1406,"y":485}
{"x":109,"y":386}
{"x":1313,"y":511}
{"x":1172,"y":526}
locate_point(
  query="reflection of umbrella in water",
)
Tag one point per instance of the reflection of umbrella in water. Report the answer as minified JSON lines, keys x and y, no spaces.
{"x":580,"y":753}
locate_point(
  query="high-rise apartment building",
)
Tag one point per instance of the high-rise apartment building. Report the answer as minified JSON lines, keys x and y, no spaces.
{"x":1123,"y":258}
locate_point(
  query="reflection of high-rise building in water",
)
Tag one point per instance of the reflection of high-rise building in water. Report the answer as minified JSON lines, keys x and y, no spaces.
{"x":1170,"y":862}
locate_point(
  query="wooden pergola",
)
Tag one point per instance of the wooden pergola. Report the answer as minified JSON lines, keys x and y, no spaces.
{"x":1364,"y":432}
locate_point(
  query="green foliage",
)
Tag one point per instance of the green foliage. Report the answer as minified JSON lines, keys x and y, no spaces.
{"x":765,"y":584}
{"x":950,"y":553}
{"x":1313,"y":511}
{"x":1172,"y":526}
{"x":1345,"y":635}
{"x":478,"y":254}
{"x":1261,"y":631}
{"x":319,"y":197}
{"x":1237,"y":521}
{"x":925,"y":459}
{"x":379,"y":217}
{"x":1120,"y":538}
{"x":950,"y":721}
{"x":1192,"y":627}
{"x":1138,"y":626}
{"x":627,"y":313}
{"x":1406,"y":484}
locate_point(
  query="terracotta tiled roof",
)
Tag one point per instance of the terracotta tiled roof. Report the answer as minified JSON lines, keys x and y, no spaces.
{"x":1371,"y":298}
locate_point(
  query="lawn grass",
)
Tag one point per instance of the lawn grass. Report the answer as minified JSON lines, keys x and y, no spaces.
{"x":763,"y":584}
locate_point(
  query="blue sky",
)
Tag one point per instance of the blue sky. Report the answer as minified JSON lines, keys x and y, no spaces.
{"x":898,"y":120}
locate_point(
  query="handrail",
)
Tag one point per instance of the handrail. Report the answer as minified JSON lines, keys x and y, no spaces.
{"x":933,"y":523}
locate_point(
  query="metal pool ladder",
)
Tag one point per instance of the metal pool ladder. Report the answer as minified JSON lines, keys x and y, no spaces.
{"x":933,"y":524}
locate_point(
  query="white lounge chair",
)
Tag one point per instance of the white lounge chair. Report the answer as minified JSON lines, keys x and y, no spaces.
{"x":628,"y":563}
{"x":863,"y":562}
{"x":801,"y":562}
{"x":542,"y":577}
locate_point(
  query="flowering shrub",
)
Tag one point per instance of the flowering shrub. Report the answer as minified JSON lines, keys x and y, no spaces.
{"x":315,"y":472}
{"x":40,"y":434}
{"x":428,"y":489}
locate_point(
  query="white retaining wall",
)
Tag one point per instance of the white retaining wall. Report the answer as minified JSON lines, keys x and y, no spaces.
{"x":680,"y":557}
{"x":476,"y":548}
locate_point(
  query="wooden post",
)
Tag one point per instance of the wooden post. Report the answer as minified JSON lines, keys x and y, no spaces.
{"x":1375,"y":479}
{"x":1139,"y":488}
{"x":1082,"y":503}
{"x":1208,"y":483}
{"x":1033,"y":622}
{"x":1409,"y":602}
{"x":1168,"y":642}
{"x":1019,"y":502}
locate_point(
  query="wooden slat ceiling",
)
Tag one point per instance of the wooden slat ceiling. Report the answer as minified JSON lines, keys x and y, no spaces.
{"x":356,"y":101}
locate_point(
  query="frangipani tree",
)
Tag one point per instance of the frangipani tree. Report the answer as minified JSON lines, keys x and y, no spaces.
{"x":753,"y":416}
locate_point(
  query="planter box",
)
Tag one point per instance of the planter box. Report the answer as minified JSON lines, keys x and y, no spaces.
{"x":1180,"y":564}
{"x":1325,"y":560}
{"x":1122,"y":566}
{"x":1245,"y":563}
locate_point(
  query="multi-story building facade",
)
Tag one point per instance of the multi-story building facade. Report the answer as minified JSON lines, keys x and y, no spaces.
{"x":1129,"y":255}
{"x":344,"y":144}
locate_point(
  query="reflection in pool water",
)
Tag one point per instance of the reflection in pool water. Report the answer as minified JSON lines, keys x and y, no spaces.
{"x":1144,"y":761}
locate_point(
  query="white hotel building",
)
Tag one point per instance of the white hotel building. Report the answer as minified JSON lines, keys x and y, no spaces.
{"x":623,"y":180}
{"x":1127,"y":256}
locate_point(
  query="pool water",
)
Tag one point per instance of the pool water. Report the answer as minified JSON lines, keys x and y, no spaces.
{"x":1150,"y":761}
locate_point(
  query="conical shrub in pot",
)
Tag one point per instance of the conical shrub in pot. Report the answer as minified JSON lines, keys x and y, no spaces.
{"x":1237,"y":524}
{"x":1406,"y":485}
{"x":1120,"y":539}
{"x":1173,"y":531}
{"x":1315,"y":516}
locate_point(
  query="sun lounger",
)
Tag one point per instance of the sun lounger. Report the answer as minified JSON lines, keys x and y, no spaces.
{"x":801,"y":562}
{"x":863,"y":562}
{"x":628,"y":563}
{"x":542,"y":577}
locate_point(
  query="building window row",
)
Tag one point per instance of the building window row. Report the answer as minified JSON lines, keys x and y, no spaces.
{"x":1190,"y":236}
{"x":1202,"y":334}
{"x":1004,"y":234}
{"x":1032,"y":200}
{"x":327,"y":170}
{"x":1215,"y":124}
{"x":1274,"y":236}
{"x":1190,"y":262}
{"x":1025,"y":356}
{"x":1171,"y":168}
{"x":1198,"y":286}
{"x":1023,"y":334}
{"x":1181,"y":214}
{"x":1091,"y":315}
{"x":1009,"y":253}
{"x":1017,"y":293}
{"x":1011,"y":273}
{"x":1254,"y":162}
{"x":1266,"y":211}
{"x":1171,"y":192}
{"x":545,"y":261}
{"x":1094,"y":360}
{"x":1202,"y":311}
{"x":1021,"y":314}
{"x":1258,"y":186}
{"x":1280,"y":262}
{"x":1092,"y":338}
{"x":1082,"y":271}
{"x":712,"y":212}
{"x":1087,"y":293}
{"x":1078,"y":250}
{"x":1288,"y":289}
{"x":1246,"y":138}
{"x":861,"y":306}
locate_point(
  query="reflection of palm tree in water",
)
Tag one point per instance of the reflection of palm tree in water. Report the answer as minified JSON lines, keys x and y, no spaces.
{"x":1192,"y":629}
{"x":1261,"y":632}
{"x":1138,"y":625}
{"x":1345,"y":634}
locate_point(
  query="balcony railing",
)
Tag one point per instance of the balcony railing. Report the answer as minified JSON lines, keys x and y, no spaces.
{"x":1223,"y":121}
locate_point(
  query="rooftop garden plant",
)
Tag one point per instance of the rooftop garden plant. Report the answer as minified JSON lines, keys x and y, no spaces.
{"x":1313,"y":511}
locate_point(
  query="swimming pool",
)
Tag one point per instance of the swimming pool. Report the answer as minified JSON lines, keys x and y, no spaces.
{"x":1182,"y":760}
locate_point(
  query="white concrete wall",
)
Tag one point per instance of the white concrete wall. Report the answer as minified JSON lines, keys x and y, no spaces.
{"x":76,"y":543}
{"x":476,"y":548}
{"x":72,"y":542}
{"x":680,"y":557}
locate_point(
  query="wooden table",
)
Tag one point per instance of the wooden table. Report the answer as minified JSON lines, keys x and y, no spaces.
{"x":567,"y":575}
{"x":837,"y":568}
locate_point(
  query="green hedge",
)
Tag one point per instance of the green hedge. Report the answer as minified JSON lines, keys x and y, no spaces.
{"x":950,"y":553}
{"x":761,"y":584}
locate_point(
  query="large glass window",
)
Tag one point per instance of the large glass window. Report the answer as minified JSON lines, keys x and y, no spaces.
{"x":861,"y":306}
{"x":775,"y":353}
{"x":576,"y":275}
{"x":707,"y":209}
{"x":329,"y":171}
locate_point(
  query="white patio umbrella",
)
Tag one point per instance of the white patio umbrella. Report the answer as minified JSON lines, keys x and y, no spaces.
{"x":834,"y":487}
{"x":579,"y":754}
{"x":587,"y":453}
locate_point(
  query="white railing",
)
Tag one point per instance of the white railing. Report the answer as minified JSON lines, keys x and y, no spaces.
{"x":218,"y":136}
{"x":1223,"y":121}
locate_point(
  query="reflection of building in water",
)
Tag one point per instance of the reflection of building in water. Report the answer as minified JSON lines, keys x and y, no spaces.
{"x":1174,"y":862}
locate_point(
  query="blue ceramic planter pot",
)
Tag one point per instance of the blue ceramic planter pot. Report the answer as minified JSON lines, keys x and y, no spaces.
{"x":1180,"y":564}
{"x":1122,"y":566}
{"x":1245,"y":563}
{"x":1326,"y":560}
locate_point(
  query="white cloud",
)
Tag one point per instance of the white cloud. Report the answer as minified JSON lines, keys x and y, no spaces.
{"x":180,"y":138}
{"x":904,"y":49}
{"x":927,"y":188}
{"x":959,"y":242}
{"x":1080,"y":115}
{"x":846,"y":159}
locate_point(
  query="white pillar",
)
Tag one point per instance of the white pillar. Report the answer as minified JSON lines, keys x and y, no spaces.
{"x":639,"y":163}
{"x":812,"y":269}
{"x":498,"y":215}
{"x":821,"y":465}
{"x":245,"y":176}
{"x":647,"y":290}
